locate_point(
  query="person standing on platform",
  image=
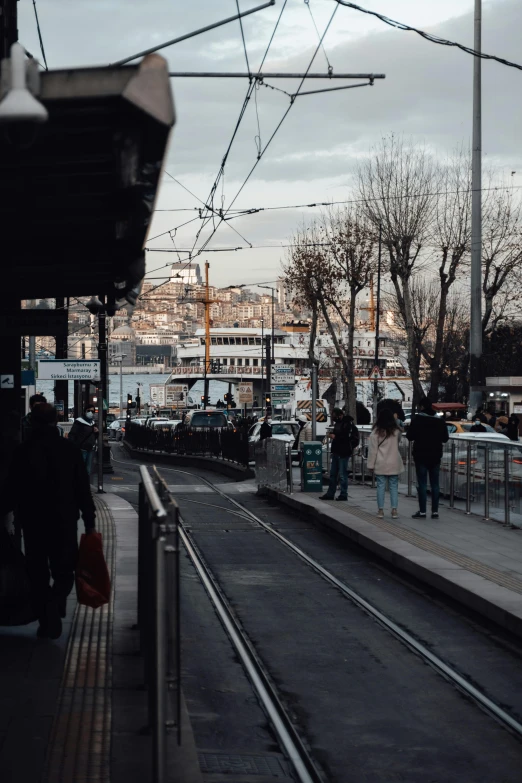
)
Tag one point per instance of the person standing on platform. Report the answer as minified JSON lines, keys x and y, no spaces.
{"x":428,"y":433}
{"x":345,"y":438}
{"x":47,"y":488}
{"x":83,"y":434}
{"x":36,"y":399}
{"x":385,"y":460}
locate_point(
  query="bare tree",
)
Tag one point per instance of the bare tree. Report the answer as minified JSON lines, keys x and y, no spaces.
{"x":501,"y":256}
{"x":396,"y":184}
{"x":350,"y":248}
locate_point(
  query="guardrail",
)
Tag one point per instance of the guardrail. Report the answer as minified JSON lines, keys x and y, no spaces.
{"x":159,"y":613}
{"x":223,"y":443}
{"x":478,"y":475}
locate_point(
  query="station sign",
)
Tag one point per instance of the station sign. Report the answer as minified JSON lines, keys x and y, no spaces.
{"x":68,"y":370}
{"x":282,"y":383}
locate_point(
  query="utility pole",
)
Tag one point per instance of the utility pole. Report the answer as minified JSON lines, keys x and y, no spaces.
{"x":475,"y":367}
{"x":314,"y":401}
{"x":377,"y":322}
{"x":102,"y":356}
{"x":262,"y":365}
{"x":207,"y":337}
{"x":61,"y":388}
{"x":268,"y":396}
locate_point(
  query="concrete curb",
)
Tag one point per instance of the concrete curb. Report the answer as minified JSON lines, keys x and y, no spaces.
{"x":496,"y":603}
{"x":229,"y":469}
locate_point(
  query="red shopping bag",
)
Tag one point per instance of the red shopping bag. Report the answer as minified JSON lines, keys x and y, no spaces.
{"x":93,"y":583}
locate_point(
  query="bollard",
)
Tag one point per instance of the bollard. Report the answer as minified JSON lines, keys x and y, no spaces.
{"x":452,"y":476}
{"x":486,"y":483}
{"x":410,"y":469}
{"x":468,"y":478}
{"x":159,"y":716}
{"x":507,"y":510}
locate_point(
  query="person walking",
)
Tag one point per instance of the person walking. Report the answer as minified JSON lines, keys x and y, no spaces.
{"x":54,"y":472}
{"x":36,"y":399}
{"x":513,"y":427}
{"x":385,"y":460}
{"x":345,"y":438}
{"x":305,"y":431}
{"x":265,"y":430}
{"x":428,"y":433}
{"x":83,"y":434}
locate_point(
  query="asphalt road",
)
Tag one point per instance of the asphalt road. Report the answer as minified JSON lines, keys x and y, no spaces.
{"x":369,"y":709}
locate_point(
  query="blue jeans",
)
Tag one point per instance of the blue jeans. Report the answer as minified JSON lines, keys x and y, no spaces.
{"x":87,"y":458}
{"x":338,"y":471}
{"x":423,"y":471}
{"x":393,"y":485}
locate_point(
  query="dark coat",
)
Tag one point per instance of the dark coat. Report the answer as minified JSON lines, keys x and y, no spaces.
{"x":48,"y":483}
{"x":346,"y":436}
{"x":265,"y":431}
{"x":428,"y":433}
{"x":82,"y":434}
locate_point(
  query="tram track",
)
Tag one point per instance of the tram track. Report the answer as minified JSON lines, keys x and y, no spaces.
{"x":288,"y":733}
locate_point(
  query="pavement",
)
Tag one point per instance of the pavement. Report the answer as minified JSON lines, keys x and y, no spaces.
{"x":73,"y":710}
{"x":474,"y":561}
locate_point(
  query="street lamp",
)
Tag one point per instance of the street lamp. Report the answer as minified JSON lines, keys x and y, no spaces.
{"x":272,"y":289}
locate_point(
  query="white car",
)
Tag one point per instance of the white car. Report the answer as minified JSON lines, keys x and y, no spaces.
{"x":286,"y":431}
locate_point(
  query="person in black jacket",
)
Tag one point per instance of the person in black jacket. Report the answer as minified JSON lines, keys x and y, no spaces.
{"x":345,"y":437}
{"x":47,"y":487}
{"x":428,"y":433}
{"x":83,"y":434}
{"x":265,"y":430}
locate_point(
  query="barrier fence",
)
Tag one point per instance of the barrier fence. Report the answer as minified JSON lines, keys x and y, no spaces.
{"x":159,"y":613}
{"x":477,"y":475}
{"x":228,"y":444}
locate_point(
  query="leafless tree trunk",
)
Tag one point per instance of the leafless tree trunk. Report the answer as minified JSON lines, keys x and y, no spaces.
{"x":396,"y":184}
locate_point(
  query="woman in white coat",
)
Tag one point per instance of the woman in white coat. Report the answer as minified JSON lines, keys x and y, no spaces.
{"x":385,"y":460}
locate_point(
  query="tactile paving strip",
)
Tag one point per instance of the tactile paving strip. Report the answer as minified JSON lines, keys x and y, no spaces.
{"x":231,"y":763}
{"x":79,"y":751}
{"x":487,"y":572}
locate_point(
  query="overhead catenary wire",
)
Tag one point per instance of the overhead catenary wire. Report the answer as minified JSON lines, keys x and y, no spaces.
{"x":42,"y":48}
{"x":429,"y":36}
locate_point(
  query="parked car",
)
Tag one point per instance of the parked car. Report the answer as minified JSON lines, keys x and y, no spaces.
{"x":286,"y":431}
{"x":116,"y":430}
{"x":463,"y":427}
{"x":201,"y":419}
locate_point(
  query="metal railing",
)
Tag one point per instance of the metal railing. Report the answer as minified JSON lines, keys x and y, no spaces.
{"x":477,"y":475}
{"x":159,"y":613}
{"x":223,"y":443}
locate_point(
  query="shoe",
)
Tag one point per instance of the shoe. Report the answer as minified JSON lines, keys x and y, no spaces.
{"x":325,"y":497}
{"x":380,"y":513}
{"x":395,"y":513}
{"x":53,"y":620}
{"x":342,"y":497}
{"x":434,"y":514}
{"x":418,"y":515}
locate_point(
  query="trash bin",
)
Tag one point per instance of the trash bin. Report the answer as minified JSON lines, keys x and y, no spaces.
{"x":312,"y":466}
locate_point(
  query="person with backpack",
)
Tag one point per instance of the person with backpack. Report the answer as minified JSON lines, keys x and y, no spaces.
{"x":428,"y":433}
{"x":83,"y":434}
{"x":345,"y":438}
{"x":385,"y":460}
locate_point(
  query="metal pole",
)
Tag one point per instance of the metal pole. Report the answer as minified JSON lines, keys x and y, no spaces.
{"x":32,"y":352}
{"x":262,"y":365}
{"x":260,"y":76}
{"x":314,"y":401}
{"x":486,"y":482}
{"x":452,"y":475}
{"x":121,"y":385}
{"x":102,"y":349}
{"x":410,"y":469}
{"x":207,"y":339}
{"x":475,"y":374}
{"x":468,"y":478}
{"x":377,"y":325}
{"x":268,"y":375}
{"x":160,"y":715}
{"x":507,"y":510}
{"x":273,"y":322}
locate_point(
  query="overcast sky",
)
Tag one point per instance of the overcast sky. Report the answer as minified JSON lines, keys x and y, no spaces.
{"x":426,"y":95}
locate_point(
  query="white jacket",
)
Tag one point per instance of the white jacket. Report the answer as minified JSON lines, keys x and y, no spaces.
{"x":383,"y":454}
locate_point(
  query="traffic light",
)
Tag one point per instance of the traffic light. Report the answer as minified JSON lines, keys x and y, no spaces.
{"x":268,"y":399}
{"x":129,"y":400}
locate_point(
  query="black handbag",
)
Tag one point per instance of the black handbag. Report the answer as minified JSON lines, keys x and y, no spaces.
{"x":16,"y":606}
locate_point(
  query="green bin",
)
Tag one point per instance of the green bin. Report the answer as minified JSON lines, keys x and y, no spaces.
{"x":312,"y":466}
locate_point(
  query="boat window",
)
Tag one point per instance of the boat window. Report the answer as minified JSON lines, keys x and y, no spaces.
{"x":255,"y":362}
{"x":232,"y":361}
{"x":239,"y":362}
{"x":247,"y":362}
{"x":258,"y":341}
{"x":225,"y":340}
{"x":251,"y":341}
{"x":220,"y":341}
{"x":244,"y":340}
{"x":224,"y":361}
{"x":213,"y":341}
